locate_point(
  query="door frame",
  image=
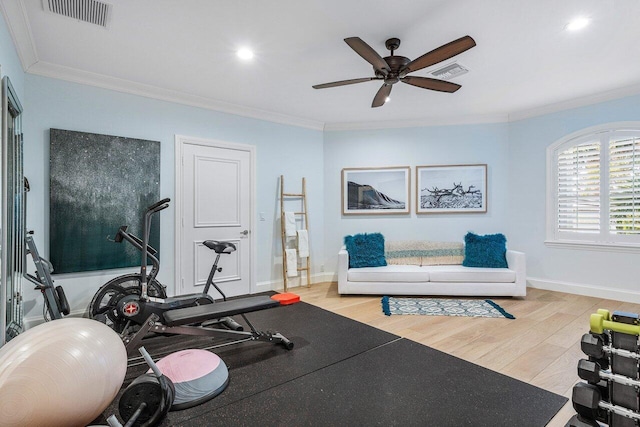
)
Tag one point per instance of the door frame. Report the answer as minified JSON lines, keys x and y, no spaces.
{"x":180,"y":142}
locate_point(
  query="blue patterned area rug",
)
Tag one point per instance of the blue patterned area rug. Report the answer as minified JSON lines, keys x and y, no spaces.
{"x":443,"y":307}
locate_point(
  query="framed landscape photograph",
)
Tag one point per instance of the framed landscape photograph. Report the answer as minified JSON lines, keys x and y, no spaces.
{"x":451,"y":189}
{"x":376,"y":190}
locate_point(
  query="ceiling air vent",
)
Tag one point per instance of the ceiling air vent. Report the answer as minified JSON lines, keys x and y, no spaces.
{"x":91,"y":11}
{"x":450,"y":71}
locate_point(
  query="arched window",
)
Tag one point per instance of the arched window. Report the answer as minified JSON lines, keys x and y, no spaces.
{"x":593,"y":187}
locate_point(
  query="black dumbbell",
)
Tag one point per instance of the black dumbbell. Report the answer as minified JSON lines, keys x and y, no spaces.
{"x":587,"y":403}
{"x":147,"y":400}
{"x":578,"y":421}
{"x":156,"y":393}
{"x":590,"y":371}
{"x":593,"y":345}
{"x":113,"y":421}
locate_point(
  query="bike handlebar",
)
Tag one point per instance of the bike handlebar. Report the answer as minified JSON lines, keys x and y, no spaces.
{"x":158,"y":208}
{"x":157,"y":204}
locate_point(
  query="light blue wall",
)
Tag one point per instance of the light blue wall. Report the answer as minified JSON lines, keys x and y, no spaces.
{"x":280,"y":149}
{"x":574,"y":269}
{"x":436,"y":145}
{"x":9,"y":60}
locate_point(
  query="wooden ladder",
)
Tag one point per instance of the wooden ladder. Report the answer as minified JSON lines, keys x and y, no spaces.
{"x":305,"y":223}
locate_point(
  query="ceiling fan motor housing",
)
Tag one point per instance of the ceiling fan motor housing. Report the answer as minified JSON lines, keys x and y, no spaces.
{"x":396,"y":63}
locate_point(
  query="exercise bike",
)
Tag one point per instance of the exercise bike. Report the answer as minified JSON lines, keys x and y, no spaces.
{"x":131,"y":298}
{"x":136,"y":304}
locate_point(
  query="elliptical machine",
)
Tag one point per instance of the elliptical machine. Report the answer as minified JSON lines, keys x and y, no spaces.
{"x":56,"y":305}
{"x":128,"y":300}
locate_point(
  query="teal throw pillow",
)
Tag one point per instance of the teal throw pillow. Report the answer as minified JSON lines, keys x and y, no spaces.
{"x":365,"y":250}
{"x":487,"y":251}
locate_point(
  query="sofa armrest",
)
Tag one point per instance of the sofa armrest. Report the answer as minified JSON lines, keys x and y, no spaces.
{"x":343,"y":266}
{"x":517,"y":262}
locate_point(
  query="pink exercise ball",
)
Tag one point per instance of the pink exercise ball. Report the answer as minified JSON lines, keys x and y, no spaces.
{"x":60,"y":373}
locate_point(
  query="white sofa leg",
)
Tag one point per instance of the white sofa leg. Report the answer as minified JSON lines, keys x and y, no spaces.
{"x":343,"y":267}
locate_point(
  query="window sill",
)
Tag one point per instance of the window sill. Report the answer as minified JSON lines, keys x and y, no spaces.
{"x":593,"y":246}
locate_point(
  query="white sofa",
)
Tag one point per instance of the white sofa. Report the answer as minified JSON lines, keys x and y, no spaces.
{"x":450,"y":280}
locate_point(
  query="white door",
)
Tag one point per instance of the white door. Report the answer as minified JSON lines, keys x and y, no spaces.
{"x":214,"y":198}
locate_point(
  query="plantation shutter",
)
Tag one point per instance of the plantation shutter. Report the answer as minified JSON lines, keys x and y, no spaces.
{"x":579,"y":188}
{"x":624,"y":186}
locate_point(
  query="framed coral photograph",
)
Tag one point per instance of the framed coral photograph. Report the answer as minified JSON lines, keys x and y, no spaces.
{"x":451,"y":189}
{"x":368,"y":191}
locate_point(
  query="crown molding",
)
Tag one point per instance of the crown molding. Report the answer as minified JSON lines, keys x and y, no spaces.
{"x":126,"y":86}
{"x":492,"y":118}
{"x":55,"y":71}
{"x":440,"y":121}
{"x":576,"y":103}
{"x":15,"y":15}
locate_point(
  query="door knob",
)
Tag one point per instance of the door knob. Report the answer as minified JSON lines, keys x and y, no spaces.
{"x":245,"y":232}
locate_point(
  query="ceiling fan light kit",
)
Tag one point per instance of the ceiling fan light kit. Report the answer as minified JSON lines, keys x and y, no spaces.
{"x":394,"y":68}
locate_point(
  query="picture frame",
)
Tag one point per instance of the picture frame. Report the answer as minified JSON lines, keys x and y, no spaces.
{"x":451,"y":189}
{"x":376,"y":191}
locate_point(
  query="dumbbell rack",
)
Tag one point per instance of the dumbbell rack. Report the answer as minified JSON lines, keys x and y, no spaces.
{"x":611,"y":392}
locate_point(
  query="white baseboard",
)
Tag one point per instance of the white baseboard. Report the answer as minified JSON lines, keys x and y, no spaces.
{"x":295,"y":282}
{"x":587,"y":290}
{"x":30,"y":322}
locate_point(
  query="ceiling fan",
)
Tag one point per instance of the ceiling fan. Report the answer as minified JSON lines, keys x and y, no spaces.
{"x":393,"y":69}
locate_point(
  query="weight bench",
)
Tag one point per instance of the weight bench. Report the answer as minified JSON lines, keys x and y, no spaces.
{"x":202,"y":313}
{"x":192,"y":321}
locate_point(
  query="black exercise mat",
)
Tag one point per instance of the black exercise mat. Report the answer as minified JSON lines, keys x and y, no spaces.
{"x":320,"y":338}
{"x":400,"y":383}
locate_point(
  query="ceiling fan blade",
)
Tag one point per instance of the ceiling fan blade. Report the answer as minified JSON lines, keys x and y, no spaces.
{"x":381,"y":96}
{"x":344,"y":82}
{"x":433,"y":84}
{"x":440,"y":54}
{"x":369,"y":55}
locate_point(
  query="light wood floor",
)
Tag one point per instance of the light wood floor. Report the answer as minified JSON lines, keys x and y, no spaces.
{"x":541,"y":346}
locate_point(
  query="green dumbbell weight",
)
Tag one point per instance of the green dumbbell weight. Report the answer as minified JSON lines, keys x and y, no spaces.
{"x":598,"y":323}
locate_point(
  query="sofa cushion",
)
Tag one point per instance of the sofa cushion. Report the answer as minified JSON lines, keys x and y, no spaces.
{"x":365,"y":250}
{"x":459,"y":273}
{"x":485,"y":251}
{"x":389,"y":273}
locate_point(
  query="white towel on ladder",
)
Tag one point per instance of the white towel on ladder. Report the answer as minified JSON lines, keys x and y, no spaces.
{"x":303,"y":243}
{"x":289,"y":224}
{"x":292,"y":262}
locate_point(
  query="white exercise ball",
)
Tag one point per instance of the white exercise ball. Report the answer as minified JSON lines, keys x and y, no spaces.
{"x":60,"y":373}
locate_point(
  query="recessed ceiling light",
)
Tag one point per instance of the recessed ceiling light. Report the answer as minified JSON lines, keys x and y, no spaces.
{"x":577,"y":24}
{"x":245,"y":53}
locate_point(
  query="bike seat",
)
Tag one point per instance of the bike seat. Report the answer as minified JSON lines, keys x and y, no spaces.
{"x":220,"y":247}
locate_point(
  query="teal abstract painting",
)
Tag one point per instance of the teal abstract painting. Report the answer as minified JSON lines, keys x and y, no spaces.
{"x":97,"y":184}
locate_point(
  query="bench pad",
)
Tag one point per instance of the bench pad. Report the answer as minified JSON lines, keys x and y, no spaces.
{"x":200,"y":313}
